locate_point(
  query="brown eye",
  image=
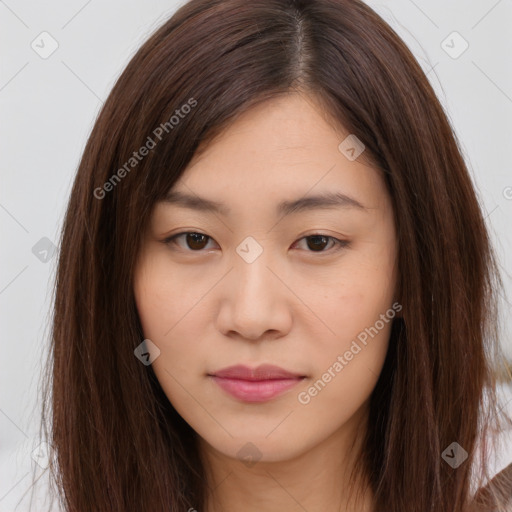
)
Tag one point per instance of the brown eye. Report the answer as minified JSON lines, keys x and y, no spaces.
{"x":194,"y":241}
{"x":318,"y":243}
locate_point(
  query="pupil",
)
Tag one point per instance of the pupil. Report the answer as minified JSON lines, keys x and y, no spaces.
{"x":316,"y":237}
{"x":191,"y":241}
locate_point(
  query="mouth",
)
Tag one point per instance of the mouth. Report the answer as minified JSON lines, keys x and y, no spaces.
{"x":255,"y":384}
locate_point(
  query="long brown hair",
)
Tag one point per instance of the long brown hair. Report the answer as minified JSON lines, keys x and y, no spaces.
{"x":118,"y":443}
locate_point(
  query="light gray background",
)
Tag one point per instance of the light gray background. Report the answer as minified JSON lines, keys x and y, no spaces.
{"x":48,"y":107}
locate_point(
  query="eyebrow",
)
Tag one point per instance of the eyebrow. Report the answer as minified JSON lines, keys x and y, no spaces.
{"x":326,"y":200}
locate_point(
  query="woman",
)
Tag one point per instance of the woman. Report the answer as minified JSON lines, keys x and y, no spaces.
{"x":275,"y":286}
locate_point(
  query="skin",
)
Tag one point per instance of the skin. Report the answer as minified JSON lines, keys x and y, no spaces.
{"x":205,"y":307}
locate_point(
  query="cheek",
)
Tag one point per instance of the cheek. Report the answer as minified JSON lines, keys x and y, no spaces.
{"x":352,"y":299}
{"x":348,"y":365}
{"x":151,"y":297}
{"x":335,"y":397}
{"x":156,"y":298}
{"x":161,"y":297}
{"x":356,"y":307}
{"x":170,"y":314}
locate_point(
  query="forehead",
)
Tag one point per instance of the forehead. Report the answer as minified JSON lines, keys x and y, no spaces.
{"x":281,"y":153}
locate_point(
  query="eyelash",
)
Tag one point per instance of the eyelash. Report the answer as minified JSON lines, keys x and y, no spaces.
{"x":342,"y":244}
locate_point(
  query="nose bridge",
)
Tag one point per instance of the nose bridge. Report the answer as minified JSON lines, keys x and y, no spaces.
{"x":252,"y":300}
{"x":253,"y":279}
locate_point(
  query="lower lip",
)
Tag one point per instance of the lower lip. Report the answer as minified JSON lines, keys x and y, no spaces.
{"x":255,"y":391}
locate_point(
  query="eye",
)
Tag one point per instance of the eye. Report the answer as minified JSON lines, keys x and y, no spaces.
{"x":317,"y":242}
{"x":195,"y":242}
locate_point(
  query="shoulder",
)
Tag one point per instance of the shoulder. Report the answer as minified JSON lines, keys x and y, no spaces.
{"x":496,"y":495}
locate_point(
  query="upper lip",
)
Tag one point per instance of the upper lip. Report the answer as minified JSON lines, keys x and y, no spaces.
{"x":262,"y":372}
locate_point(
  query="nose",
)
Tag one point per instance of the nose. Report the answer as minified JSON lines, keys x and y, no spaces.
{"x":255,"y":303}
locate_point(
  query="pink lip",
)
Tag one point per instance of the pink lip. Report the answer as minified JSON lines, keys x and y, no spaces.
{"x":257,"y":384}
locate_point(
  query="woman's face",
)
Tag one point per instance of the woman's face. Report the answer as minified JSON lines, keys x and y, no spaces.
{"x":309,"y":289}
